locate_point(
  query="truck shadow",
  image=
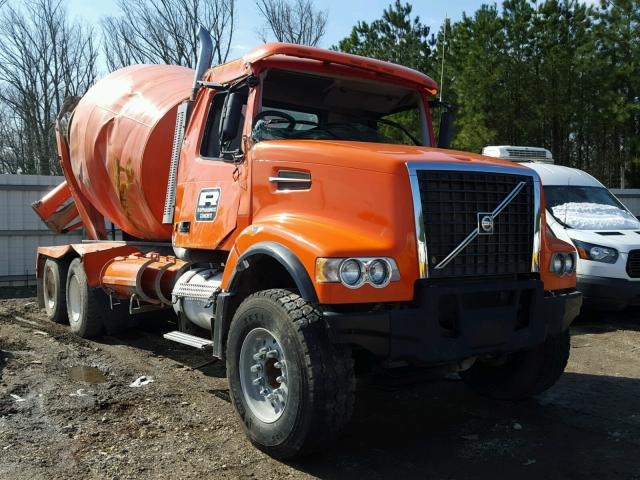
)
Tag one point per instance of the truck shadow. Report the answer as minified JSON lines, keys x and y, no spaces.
{"x":587,"y":426}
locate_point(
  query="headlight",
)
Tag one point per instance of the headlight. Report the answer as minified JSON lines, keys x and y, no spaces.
{"x":557,"y":263}
{"x":569,"y":263}
{"x":379,"y":272}
{"x":351,"y":273}
{"x":596,"y":253}
{"x":563,"y":263}
{"x":355,"y":272}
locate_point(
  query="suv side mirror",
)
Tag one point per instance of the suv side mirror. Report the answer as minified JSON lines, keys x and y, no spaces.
{"x":446,"y":129}
{"x":231,"y":116}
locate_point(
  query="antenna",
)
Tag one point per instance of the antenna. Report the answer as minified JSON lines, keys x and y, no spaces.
{"x":444,"y":43}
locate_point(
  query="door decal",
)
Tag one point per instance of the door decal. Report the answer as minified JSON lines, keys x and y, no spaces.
{"x":207,"y":206}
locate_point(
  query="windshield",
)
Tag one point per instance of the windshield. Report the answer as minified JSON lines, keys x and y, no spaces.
{"x":300,"y":106}
{"x":588,"y":208}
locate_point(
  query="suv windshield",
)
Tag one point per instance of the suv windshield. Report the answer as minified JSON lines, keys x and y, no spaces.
{"x":301,"y":106}
{"x":588,"y":208}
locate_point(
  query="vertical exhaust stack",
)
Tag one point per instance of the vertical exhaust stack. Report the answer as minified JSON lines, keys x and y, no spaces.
{"x":205,"y":56}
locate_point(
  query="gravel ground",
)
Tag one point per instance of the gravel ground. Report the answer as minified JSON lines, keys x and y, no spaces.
{"x":61,"y":418}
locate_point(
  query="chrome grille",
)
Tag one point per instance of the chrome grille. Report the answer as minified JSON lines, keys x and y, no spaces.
{"x":633,"y":264}
{"x":451,"y":201}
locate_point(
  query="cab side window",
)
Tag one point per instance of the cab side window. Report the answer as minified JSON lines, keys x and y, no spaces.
{"x":210,"y":147}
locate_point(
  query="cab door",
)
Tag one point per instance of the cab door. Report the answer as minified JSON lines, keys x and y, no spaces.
{"x":208,"y":189}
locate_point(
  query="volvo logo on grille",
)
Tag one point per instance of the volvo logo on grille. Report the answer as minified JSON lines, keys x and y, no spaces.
{"x":486,"y":223}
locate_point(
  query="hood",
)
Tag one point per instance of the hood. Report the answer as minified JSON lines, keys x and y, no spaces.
{"x":378,"y":157}
{"x":561,"y":175}
{"x":622,"y":240}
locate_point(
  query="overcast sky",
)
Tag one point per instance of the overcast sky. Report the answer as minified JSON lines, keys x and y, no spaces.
{"x":343,"y":15}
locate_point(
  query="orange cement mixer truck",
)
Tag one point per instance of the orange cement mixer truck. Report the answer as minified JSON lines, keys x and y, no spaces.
{"x":293,"y":209}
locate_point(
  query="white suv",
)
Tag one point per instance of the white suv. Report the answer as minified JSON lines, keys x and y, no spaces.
{"x":605,"y":233}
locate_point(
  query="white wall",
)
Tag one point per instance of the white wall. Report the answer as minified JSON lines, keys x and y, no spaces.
{"x":21,"y":230}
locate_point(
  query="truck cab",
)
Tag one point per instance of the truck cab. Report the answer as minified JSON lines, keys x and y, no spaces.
{"x":316,"y":232}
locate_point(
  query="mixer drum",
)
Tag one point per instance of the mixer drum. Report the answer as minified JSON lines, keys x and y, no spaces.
{"x":120,"y":140}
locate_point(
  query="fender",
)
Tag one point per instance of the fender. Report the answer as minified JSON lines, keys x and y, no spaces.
{"x":287,"y":259}
{"x":277,"y":251}
{"x":94,"y":256}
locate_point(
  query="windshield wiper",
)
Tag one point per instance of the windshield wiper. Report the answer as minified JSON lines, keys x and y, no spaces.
{"x":406,"y":132}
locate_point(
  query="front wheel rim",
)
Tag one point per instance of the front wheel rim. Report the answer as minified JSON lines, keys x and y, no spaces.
{"x":74,"y":304}
{"x":263,"y":375}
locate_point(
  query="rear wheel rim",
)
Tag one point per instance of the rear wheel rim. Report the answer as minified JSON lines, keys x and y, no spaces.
{"x":263,"y":375}
{"x":75,"y":303}
{"x":50,"y":288}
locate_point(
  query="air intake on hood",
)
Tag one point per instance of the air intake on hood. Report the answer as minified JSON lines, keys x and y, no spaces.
{"x":292,"y":180}
{"x":608,"y":234}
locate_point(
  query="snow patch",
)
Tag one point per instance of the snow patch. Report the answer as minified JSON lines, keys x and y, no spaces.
{"x":594,"y":216}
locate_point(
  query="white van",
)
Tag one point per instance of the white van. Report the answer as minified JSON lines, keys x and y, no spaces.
{"x":582,"y":211}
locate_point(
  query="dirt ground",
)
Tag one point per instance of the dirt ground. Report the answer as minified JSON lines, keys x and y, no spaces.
{"x":55,"y":425}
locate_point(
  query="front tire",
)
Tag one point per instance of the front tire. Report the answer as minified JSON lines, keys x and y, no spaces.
{"x":86,"y":306}
{"x":291,"y":387}
{"x":522,"y":374}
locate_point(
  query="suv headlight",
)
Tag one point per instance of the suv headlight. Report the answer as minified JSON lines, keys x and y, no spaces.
{"x":355,"y":272}
{"x":595,"y":253}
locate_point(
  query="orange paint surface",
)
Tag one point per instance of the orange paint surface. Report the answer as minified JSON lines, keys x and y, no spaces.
{"x":150,"y":277}
{"x":94,"y":256}
{"x":359,"y":204}
{"x":121,"y":135}
{"x":356,"y":65}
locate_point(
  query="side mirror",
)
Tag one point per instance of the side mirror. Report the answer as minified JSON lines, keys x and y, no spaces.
{"x":231,"y":116}
{"x":446,"y":129}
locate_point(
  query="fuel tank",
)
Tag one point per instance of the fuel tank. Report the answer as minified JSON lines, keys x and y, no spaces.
{"x":120,"y":139}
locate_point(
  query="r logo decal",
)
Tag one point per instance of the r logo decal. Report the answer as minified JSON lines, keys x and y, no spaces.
{"x":207,"y":207}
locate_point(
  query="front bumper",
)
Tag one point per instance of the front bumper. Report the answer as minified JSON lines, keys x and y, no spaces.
{"x":609,"y":293}
{"x":448,"y":323}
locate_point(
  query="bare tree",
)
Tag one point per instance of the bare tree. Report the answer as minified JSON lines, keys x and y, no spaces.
{"x":12,"y":146}
{"x":165,"y":31}
{"x":44,"y":58}
{"x":295,"y":21}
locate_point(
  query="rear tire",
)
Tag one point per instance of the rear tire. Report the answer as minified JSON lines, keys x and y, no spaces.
{"x":523,"y":374}
{"x":306,"y":392}
{"x":86,"y":306}
{"x":54,"y":289}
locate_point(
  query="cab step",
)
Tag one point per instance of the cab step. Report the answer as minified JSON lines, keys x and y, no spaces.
{"x":186,"y":339}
